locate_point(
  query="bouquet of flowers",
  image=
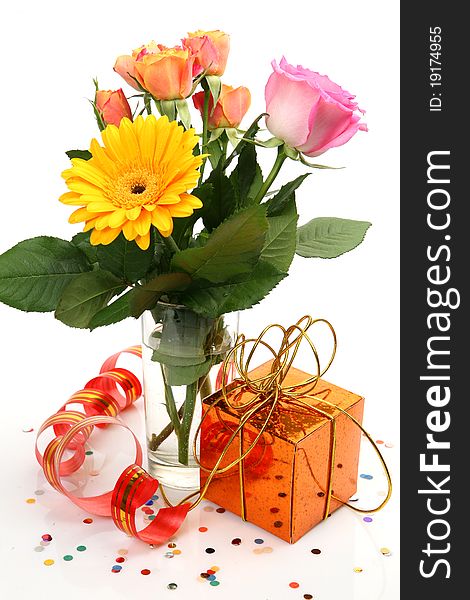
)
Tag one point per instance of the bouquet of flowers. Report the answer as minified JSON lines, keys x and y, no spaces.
{"x":182,"y":216}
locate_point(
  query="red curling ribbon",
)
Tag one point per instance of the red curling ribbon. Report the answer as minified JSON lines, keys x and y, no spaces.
{"x":103,"y":398}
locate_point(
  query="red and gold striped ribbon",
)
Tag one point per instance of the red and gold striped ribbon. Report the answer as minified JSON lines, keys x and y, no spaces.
{"x":102,"y":401}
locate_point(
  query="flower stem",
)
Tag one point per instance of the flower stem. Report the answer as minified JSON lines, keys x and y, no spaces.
{"x":281,"y":157}
{"x":186,"y":421}
{"x":171,"y":244}
{"x":156,"y":440}
{"x":205,"y":119}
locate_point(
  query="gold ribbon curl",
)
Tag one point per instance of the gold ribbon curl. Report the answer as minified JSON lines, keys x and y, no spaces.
{"x":268,"y":392}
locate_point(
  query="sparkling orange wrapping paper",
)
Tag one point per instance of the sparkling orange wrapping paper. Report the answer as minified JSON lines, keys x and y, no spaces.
{"x":285,"y":476}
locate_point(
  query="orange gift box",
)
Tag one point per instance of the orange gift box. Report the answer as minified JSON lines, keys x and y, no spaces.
{"x":283,"y":484}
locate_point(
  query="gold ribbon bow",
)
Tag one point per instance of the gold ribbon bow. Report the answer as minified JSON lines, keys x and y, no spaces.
{"x":268,"y":392}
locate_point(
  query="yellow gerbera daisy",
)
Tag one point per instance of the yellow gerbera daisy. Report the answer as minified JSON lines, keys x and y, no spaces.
{"x":139,"y":178}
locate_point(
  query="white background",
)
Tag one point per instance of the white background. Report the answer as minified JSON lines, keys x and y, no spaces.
{"x":50,"y":52}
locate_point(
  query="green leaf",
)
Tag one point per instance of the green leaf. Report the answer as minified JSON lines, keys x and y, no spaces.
{"x":243,"y":175}
{"x":233,"y":248}
{"x":183,"y":226}
{"x":85,"y":296}
{"x":213,"y":300}
{"x":249,"y":135}
{"x":183,"y":113}
{"x":117,"y":311}
{"x":281,"y":239}
{"x":329,"y":237}
{"x":188,"y":374}
{"x":255,"y":185}
{"x":34,"y":273}
{"x":168,"y":108}
{"x":125,"y":259}
{"x":82,"y":242}
{"x":223,"y":201}
{"x":215,"y":86}
{"x":277,"y":203}
{"x":85,"y":154}
{"x":215,"y":152}
{"x":144,"y":297}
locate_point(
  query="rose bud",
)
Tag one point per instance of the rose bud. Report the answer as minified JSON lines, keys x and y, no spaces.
{"x":112,"y":106}
{"x":230,"y":109}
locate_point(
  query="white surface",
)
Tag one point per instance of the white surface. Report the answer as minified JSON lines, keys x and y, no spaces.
{"x":51,"y":52}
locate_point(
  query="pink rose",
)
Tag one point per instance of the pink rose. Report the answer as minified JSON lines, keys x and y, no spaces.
{"x":112,"y":106}
{"x":230,"y":109}
{"x":308,"y":111}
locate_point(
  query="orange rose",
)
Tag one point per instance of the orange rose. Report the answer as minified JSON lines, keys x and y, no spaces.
{"x":211,"y":49}
{"x":112,"y":106}
{"x":167,"y":73}
{"x":230,"y":109}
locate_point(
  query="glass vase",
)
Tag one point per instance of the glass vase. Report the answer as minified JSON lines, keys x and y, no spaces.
{"x":183,"y":354}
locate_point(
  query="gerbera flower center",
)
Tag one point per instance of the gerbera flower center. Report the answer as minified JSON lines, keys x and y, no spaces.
{"x":136,"y":187}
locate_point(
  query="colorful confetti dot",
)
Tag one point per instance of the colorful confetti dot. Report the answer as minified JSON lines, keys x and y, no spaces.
{"x":278,"y":477}
{"x":88,"y":520}
{"x":172,"y":545}
{"x":169,"y":555}
{"x":172,"y":586}
{"x":368,"y":519}
{"x":205,"y":575}
{"x":176,"y":552}
{"x":49,"y":562}
{"x":258,"y":551}
{"x":116,"y":568}
{"x":211,"y":578}
{"x":366,"y":476}
{"x":149,"y":502}
{"x":30,"y":500}
{"x":389,"y":445}
{"x":315,"y":551}
{"x":210,"y":571}
{"x":282,"y":494}
{"x":308,"y":597}
{"x":122,"y":551}
{"x":274,"y":510}
{"x":68,"y":557}
{"x":47,"y":537}
{"x":209,"y":508}
{"x":258,"y":541}
{"x":94,"y":473}
{"x":379,"y":441}
{"x":385,"y":551}
{"x":357,"y":570}
{"x":278,"y":524}
{"x":203,"y":529}
{"x":120,"y":559}
{"x":214,"y":583}
{"x":267,"y":550}
{"x":145,"y":571}
{"x":81,"y":548}
{"x":236,"y":541}
{"x":220,"y":510}
{"x":39,"y":492}
{"x":293,"y":584}
{"x":39,"y":548}
{"x":27,"y":429}
{"x":210,"y":550}
{"x":89,"y":452}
